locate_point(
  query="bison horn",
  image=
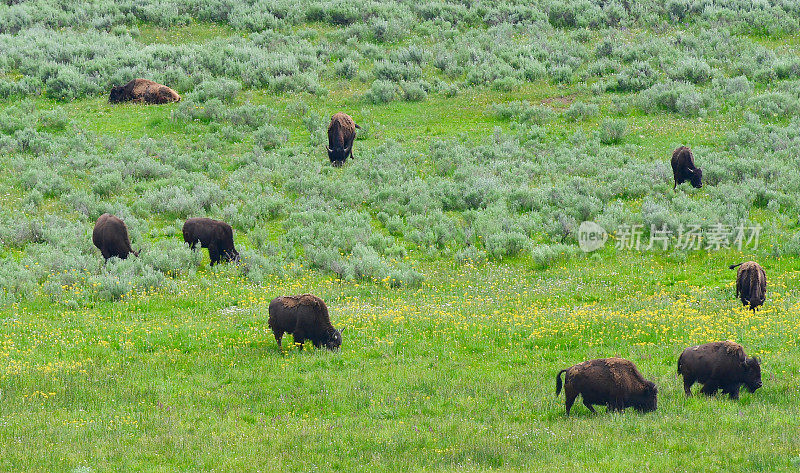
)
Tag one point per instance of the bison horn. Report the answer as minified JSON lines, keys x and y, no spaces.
{"x":329,"y":150}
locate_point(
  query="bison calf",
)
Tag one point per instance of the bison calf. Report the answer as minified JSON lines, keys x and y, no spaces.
{"x":719,"y":365}
{"x":683,"y":168}
{"x":110,"y":235}
{"x":306,"y":318}
{"x":212,"y":234}
{"x":341,"y":134}
{"x":613,"y":382}
{"x":751,"y":284}
{"x":143,"y":91}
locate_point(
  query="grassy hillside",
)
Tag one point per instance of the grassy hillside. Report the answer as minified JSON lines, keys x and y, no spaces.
{"x":447,"y":249}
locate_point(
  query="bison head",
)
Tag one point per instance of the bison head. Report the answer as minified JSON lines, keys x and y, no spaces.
{"x":696,"y":177}
{"x":231,"y":255}
{"x":752,"y":374}
{"x":167,"y":95}
{"x":117,"y":94}
{"x":338,"y":155}
{"x":335,"y":340}
{"x":646,"y":401}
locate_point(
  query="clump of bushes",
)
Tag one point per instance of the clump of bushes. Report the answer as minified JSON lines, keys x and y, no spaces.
{"x":612,"y":131}
{"x":581,"y":111}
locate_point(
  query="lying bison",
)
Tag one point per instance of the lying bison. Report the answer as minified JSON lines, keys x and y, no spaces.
{"x":719,"y":365}
{"x":613,"y":382}
{"x":683,"y":168}
{"x":212,"y":234}
{"x":751,"y":284}
{"x":341,"y":134}
{"x":110,"y":235}
{"x":143,"y":91}
{"x":306,"y":318}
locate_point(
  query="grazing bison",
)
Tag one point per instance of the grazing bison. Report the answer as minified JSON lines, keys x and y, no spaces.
{"x":719,"y":365}
{"x":751,"y":284}
{"x":683,"y":168}
{"x":341,"y":133}
{"x":614,"y":382}
{"x":143,"y":91}
{"x":212,"y":234}
{"x":306,"y":318}
{"x":110,"y":235}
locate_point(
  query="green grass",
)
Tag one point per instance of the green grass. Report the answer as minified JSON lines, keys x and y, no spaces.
{"x":456,"y":375}
{"x":183,"y":34}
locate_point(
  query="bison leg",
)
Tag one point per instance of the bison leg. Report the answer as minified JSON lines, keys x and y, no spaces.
{"x":570,"y":396}
{"x":299,"y":339}
{"x":213,"y":253}
{"x":688,"y":382}
{"x":589,"y":406}
{"x":278,"y":336}
{"x":106,"y":253}
{"x":710,"y":388}
{"x":732,"y":390}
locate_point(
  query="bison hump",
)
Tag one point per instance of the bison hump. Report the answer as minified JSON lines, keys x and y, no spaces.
{"x":734,"y":349}
{"x":302,"y":299}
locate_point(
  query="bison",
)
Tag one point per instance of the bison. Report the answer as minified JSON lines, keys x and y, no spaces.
{"x":143,"y":91}
{"x":306,"y":318}
{"x":341,"y":133}
{"x":110,"y":235}
{"x":212,"y":234}
{"x":751,"y":284}
{"x":614,"y":382}
{"x":719,"y":365}
{"x":683,"y":168}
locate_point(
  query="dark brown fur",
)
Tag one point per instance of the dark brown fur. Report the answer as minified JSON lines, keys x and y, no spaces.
{"x":341,"y":134}
{"x":212,"y":234}
{"x":614,"y":382}
{"x":683,"y":168}
{"x":306,"y":318}
{"x":143,"y":91}
{"x":751,"y":284}
{"x":110,"y":235}
{"x":719,"y":365}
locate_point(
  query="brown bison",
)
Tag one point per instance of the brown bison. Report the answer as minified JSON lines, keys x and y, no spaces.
{"x":212,"y":234}
{"x":719,"y":365}
{"x":143,"y":91}
{"x":110,"y":235}
{"x":683,"y":168}
{"x":341,"y":133}
{"x":751,"y":284}
{"x":306,"y":318}
{"x":613,"y":382}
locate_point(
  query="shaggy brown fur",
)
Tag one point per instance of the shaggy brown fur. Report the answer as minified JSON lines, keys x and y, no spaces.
{"x":212,"y":234}
{"x":306,"y":318}
{"x":614,"y":382}
{"x":751,"y":284}
{"x":110,"y":235}
{"x":341,"y":134}
{"x":683,"y":168}
{"x":143,"y":91}
{"x":719,"y":365}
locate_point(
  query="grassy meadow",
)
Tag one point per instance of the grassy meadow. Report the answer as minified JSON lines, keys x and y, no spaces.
{"x":447,"y":248}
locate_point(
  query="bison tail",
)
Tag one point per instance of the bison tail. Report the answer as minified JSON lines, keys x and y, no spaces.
{"x":733,"y":266}
{"x":558,"y":382}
